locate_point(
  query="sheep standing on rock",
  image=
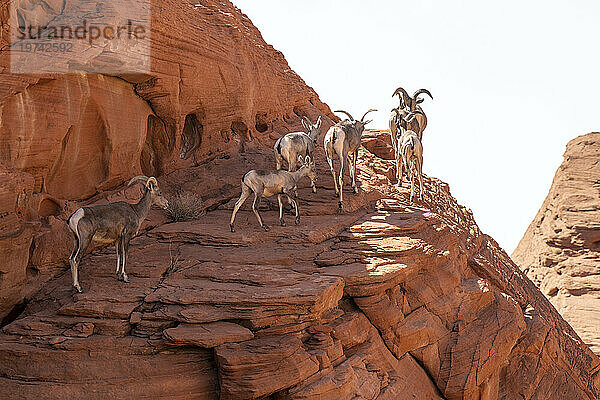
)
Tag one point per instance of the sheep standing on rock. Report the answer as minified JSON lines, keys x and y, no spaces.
{"x":344,"y":139}
{"x":411,"y":151}
{"x":112,"y":223}
{"x":266,"y":183}
{"x":289,"y":147}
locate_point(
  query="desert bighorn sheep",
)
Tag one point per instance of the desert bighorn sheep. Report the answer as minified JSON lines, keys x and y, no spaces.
{"x":266,"y":183}
{"x":295,"y":144}
{"x":112,"y":223}
{"x":344,"y":139}
{"x":409,"y":105}
{"x":411,"y":151}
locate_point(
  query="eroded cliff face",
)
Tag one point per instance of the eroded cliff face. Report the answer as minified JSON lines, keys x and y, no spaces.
{"x":389,"y":300}
{"x":560,"y":251}
{"x":214,"y":87}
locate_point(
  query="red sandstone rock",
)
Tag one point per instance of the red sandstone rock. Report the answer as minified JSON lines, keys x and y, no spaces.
{"x":560,"y":251}
{"x":390,"y":300}
{"x":207,"y":335}
{"x":214,"y":84}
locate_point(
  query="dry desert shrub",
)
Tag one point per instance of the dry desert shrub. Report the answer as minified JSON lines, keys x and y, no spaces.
{"x":184,"y":206}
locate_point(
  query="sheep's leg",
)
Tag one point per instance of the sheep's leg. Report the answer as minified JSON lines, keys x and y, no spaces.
{"x":399,"y":168}
{"x":280,"y":201}
{"x":341,"y":184}
{"x":294,"y":199}
{"x":245,"y":194}
{"x":420,"y":172}
{"x":292,"y":168}
{"x":354,"y":186}
{"x":312,"y":181}
{"x":124,"y":249}
{"x":330,"y":162}
{"x":73,"y":261}
{"x":412,"y":182}
{"x":255,"y":204}
{"x":81,"y":245}
{"x":118,"y":248}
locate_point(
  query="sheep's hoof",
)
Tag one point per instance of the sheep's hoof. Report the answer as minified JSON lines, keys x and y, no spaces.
{"x":282,"y":222}
{"x":231,"y":228}
{"x":314,"y":189}
{"x":297,"y":221}
{"x":340,"y":208}
{"x":124,"y":278}
{"x":78,"y":288}
{"x":355,"y":190}
{"x":266,"y":228}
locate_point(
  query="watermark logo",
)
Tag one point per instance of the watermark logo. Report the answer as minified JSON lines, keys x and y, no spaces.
{"x":60,"y":36}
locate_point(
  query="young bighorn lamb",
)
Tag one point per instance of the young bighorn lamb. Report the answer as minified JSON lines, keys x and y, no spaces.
{"x":112,"y":223}
{"x":266,"y":183}
{"x":411,"y":151}
{"x":343,"y":139}
{"x":295,"y":144}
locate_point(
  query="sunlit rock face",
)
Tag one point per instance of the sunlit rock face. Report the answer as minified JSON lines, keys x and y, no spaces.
{"x":388,"y":300}
{"x":214,"y":89}
{"x":560,"y":251}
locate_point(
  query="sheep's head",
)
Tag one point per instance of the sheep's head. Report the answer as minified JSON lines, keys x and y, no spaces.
{"x":309,"y":166}
{"x":360,"y":125}
{"x":313,"y":130}
{"x":417,"y":100}
{"x":150,"y":186}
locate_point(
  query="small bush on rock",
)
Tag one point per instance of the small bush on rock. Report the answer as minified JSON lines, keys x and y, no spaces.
{"x":184,"y":206}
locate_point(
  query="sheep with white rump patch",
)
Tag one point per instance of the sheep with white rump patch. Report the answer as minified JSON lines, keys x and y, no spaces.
{"x":112,"y":223}
{"x":344,"y":139}
{"x":411,"y":151}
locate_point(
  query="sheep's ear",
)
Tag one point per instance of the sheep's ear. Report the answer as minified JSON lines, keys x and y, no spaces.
{"x":319,"y":123}
{"x":300,"y":159}
{"x":305,"y":126}
{"x":307,"y":160}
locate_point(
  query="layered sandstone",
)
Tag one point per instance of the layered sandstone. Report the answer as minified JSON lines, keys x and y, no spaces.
{"x":390,"y":300}
{"x":560,"y":251}
{"x":214,"y":87}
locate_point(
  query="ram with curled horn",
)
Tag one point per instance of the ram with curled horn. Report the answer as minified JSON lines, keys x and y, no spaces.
{"x":290,"y":147}
{"x":408,"y":106}
{"x":112,"y":223}
{"x":344,"y":139}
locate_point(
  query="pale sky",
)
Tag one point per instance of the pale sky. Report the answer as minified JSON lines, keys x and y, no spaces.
{"x":512,"y":81}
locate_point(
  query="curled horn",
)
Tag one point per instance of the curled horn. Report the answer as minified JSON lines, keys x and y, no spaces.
{"x":152,"y":180}
{"x":138,"y":178}
{"x":402,"y":94}
{"x":420,"y":92}
{"x":347,"y":113}
{"x":147,"y":181}
{"x":363,"y":117}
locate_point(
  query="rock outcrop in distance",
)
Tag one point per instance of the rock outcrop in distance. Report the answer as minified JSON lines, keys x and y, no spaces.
{"x":560,"y":250}
{"x":389,"y":300}
{"x":215,"y":86}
